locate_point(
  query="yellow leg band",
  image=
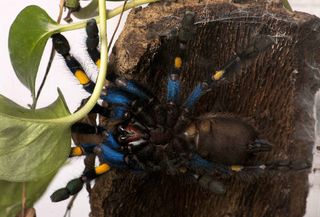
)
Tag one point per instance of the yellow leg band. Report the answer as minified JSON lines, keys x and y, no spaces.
{"x":217,"y":75}
{"x":76,"y":151}
{"x":178,"y":62}
{"x":98,"y":63}
{"x":236,"y":168}
{"x":102,"y":169}
{"x":82,"y":77}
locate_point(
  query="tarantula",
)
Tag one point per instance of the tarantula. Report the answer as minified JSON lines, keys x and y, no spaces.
{"x":150,"y":135}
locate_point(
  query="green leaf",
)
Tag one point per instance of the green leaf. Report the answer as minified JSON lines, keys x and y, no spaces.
{"x":11,"y":192}
{"x":88,"y":11}
{"x":72,"y":4}
{"x":27,"y":38}
{"x":287,"y":5}
{"x":32,"y":144}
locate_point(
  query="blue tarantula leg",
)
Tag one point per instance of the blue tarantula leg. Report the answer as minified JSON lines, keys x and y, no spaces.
{"x":87,"y":148}
{"x":259,"y":145}
{"x":94,"y":173}
{"x":123,"y":93}
{"x":122,"y":101}
{"x":62,"y":46}
{"x":119,"y":113}
{"x":198,"y":162}
{"x":117,"y":97}
{"x":109,"y":151}
{"x":282,"y":165}
{"x":74,"y":186}
{"x":173,"y":85}
{"x":111,"y":141}
{"x":106,"y":153}
{"x":173,"y":88}
{"x":92,"y":43}
{"x":134,"y":88}
{"x":185,"y":34}
{"x":113,"y":96}
{"x":260,"y":43}
{"x":195,"y":95}
{"x":98,"y":109}
{"x":82,"y":149}
{"x":113,"y":157}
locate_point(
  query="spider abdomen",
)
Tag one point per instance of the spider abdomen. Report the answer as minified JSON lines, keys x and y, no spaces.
{"x":222,"y":138}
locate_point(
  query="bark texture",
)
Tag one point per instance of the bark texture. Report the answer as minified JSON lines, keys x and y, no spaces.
{"x":276,"y":90}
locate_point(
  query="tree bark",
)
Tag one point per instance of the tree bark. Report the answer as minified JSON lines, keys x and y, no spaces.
{"x":275,"y":89}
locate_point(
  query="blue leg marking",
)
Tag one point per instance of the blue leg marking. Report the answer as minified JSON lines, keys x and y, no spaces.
{"x":111,"y":141}
{"x":173,"y":88}
{"x":115,"y":96}
{"x":133,"y":88}
{"x":197,"y":92}
{"x":88,"y":148}
{"x":112,"y":157}
{"x":198,"y":162}
{"x":118,"y":112}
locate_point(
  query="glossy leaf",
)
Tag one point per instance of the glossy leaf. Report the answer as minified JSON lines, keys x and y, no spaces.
{"x":31,"y":145}
{"x":10,"y":199}
{"x":27,"y":38}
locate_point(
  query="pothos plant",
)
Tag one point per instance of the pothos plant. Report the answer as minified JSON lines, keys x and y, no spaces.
{"x":35,"y":143}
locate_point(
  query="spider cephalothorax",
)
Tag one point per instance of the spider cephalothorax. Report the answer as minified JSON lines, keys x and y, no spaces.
{"x":148,"y":134}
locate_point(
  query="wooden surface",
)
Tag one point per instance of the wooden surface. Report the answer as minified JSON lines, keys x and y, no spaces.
{"x":276,"y":89}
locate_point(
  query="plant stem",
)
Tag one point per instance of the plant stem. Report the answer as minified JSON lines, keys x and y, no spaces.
{"x":118,"y":24}
{"x":102,"y":72}
{"x":110,"y":14}
{"x":52,"y":53}
{"x":23,"y":199}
